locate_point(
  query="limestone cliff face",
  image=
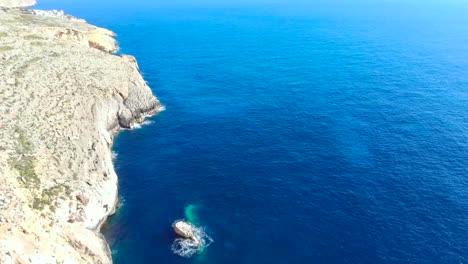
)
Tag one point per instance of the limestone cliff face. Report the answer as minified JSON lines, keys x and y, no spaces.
{"x":63,"y":96}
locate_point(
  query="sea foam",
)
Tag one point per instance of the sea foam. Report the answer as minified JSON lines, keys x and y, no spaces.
{"x":186,"y":247}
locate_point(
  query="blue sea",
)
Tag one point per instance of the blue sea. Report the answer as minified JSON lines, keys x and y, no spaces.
{"x":294,"y":131}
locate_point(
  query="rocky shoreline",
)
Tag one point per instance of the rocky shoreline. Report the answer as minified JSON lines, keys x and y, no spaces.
{"x":64,"y":95}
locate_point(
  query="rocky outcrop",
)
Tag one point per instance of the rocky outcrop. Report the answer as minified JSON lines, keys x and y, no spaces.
{"x":102,"y":39}
{"x":64,"y":95}
{"x":184,"y":230}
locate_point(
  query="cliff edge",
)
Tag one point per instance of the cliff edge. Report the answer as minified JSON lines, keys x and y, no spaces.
{"x":63,"y":97}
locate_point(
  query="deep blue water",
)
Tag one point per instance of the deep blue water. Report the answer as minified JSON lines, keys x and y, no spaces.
{"x":328,"y":132}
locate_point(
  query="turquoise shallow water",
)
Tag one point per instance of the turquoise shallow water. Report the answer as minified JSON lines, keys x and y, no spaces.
{"x":327,"y":132}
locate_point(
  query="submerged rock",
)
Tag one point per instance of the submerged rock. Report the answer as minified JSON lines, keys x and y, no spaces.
{"x":184,"y":229}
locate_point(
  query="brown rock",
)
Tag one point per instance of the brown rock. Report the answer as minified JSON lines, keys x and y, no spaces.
{"x":82,"y":199}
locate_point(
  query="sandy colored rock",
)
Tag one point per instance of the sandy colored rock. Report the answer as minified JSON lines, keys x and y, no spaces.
{"x":63,"y":99}
{"x":184,"y":229}
{"x":11,"y":81}
{"x":102,"y":39}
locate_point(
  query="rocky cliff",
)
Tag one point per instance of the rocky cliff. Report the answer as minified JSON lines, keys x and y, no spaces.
{"x":63,"y":97}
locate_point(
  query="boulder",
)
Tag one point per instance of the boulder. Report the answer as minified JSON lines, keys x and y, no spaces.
{"x":184,"y":229}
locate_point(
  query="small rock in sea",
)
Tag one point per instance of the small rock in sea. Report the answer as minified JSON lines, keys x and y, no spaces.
{"x":184,"y":229}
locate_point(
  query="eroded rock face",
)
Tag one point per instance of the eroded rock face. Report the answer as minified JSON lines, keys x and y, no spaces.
{"x":102,"y":39}
{"x":63,"y":99}
{"x":184,"y":230}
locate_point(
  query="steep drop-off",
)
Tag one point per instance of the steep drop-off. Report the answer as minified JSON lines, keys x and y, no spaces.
{"x":63,"y":97}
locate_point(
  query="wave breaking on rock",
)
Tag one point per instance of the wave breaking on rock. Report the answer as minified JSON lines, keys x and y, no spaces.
{"x":187,"y":247}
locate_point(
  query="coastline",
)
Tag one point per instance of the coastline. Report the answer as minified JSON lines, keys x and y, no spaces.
{"x":67,"y":95}
{"x":135,"y":125}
